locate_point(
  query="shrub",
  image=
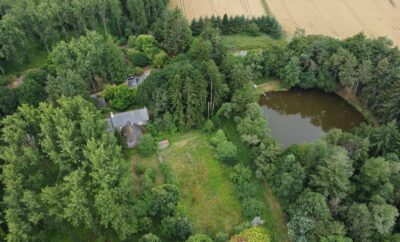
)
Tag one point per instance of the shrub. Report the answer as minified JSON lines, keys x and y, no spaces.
{"x":255,"y":234}
{"x":227,"y":152}
{"x":145,"y":224}
{"x":164,"y":200}
{"x":148,"y":178}
{"x":160,"y":59}
{"x":208,"y":126}
{"x":253,"y":29}
{"x":240,"y":174}
{"x":122,"y":41}
{"x":142,"y":42}
{"x":338,"y":238}
{"x":4,"y":80}
{"x":178,"y":227}
{"x":140,"y":169}
{"x":131,"y":41}
{"x":31,"y":92}
{"x":138,"y":58}
{"x":120,"y":97}
{"x":147,"y":146}
{"x":251,"y":207}
{"x":169,"y":175}
{"x":242,"y":226}
{"x":149,"y":238}
{"x":218,"y":138}
{"x":8,"y":101}
{"x":136,"y":71}
{"x":199,"y":238}
{"x":149,"y":172}
{"x":221,"y":237}
{"x":246,"y":190}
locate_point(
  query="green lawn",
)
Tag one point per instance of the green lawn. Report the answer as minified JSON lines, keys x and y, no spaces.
{"x":246,"y":42}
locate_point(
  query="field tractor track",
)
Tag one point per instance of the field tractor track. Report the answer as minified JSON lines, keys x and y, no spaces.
{"x":213,"y":7}
{"x":359,"y":20}
{"x":320,"y":14}
{"x":248,"y":7}
{"x":244,"y":8}
{"x":395,"y":26}
{"x":287,"y":10}
{"x":182,"y":2}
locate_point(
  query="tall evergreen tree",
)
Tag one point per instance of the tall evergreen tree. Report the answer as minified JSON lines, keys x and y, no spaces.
{"x":137,"y":15}
{"x":177,"y":33}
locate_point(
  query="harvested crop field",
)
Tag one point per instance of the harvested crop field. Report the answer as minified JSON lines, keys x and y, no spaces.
{"x":339,"y":18}
{"x":208,"y":8}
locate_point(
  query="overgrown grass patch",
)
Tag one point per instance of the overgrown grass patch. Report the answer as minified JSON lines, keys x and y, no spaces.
{"x":239,"y":42}
{"x":208,"y":197}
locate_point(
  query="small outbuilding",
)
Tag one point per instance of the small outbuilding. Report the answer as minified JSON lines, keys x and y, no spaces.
{"x":134,"y":81}
{"x":163,"y":144}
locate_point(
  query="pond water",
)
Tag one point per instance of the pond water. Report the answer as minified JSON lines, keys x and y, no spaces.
{"x":300,"y":116}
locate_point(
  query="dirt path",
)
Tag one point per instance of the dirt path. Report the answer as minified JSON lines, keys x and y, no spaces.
{"x":277,"y":214}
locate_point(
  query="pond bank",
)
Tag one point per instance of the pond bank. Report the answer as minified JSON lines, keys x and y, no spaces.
{"x":352,"y":100}
{"x":271,"y":86}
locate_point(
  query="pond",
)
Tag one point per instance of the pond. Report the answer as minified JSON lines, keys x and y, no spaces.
{"x":300,"y":116}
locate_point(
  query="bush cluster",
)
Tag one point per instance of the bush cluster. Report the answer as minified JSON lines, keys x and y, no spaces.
{"x":143,"y":50}
{"x":226,"y":150}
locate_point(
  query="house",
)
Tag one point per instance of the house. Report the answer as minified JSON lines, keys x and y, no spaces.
{"x":130,"y":125}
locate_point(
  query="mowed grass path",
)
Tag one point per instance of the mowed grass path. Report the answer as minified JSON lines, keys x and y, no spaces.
{"x":208,"y":197}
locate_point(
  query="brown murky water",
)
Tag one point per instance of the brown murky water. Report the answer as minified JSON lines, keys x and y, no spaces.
{"x":300,"y":116}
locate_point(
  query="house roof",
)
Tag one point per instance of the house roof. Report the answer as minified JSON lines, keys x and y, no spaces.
{"x":139,"y":117}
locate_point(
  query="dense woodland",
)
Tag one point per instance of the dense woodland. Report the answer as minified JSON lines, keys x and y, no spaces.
{"x":66,"y":179}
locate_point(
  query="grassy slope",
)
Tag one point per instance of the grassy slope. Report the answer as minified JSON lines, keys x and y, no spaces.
{"x":208,"y":197}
